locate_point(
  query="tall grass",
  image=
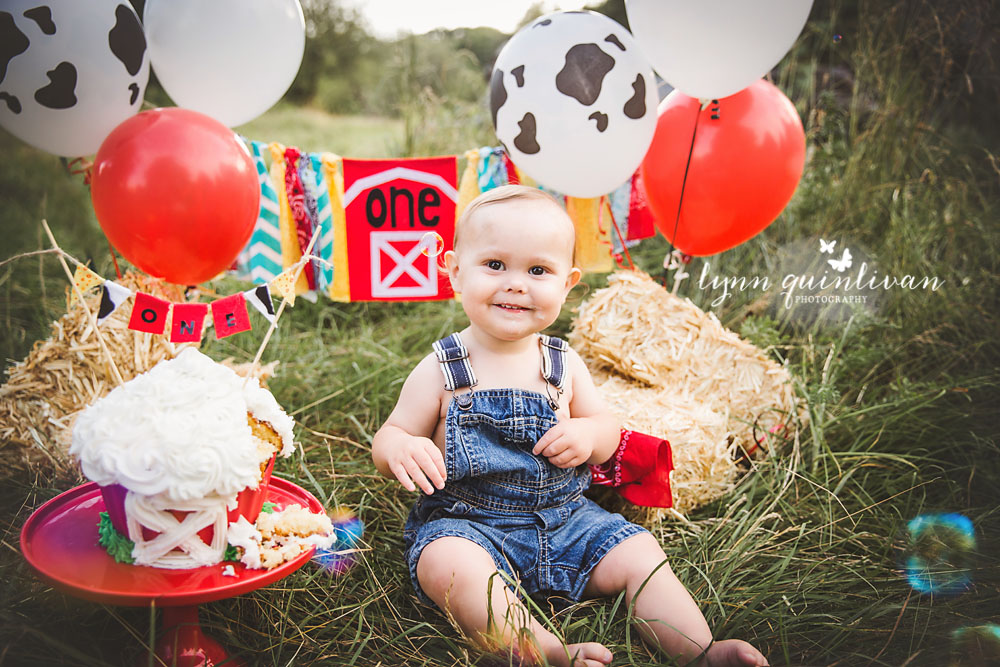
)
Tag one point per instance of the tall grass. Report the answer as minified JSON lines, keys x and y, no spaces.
{"x":803,"y":558}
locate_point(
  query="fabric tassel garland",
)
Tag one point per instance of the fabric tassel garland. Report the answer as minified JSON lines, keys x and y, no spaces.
{"x":264,"y":250}
{"x":300,"y":212}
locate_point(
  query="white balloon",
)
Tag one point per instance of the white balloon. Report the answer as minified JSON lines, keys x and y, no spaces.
{"x":713,"y":49}
{"x":75,"y":71}
{"x":229,"y":59}
{"x":574,"y":102}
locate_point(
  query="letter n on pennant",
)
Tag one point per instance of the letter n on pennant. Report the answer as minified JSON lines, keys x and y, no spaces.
{"x":149,"y":314}
{"x":230,"y":315}
{"x":188,"y":322}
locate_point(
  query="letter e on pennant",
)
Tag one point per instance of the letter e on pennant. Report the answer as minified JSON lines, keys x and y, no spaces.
{"x":230,"y":315}
{"x":188,"y":322}
{"x":149,"y":314}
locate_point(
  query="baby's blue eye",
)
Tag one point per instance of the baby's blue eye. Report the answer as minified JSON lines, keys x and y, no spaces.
{"x":495,"y":264}
{"x":537,"y":271}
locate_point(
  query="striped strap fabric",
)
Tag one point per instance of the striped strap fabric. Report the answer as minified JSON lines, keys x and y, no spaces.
{"x":264,"y":250}
{"x":453,"y":360}
{"x":554,"y":360}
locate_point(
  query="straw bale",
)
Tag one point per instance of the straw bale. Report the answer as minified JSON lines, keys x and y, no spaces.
{"x":670,"y":369}
{"x":67,"y":371}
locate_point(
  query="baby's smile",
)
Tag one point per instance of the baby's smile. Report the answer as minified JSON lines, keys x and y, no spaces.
{"x":512,"y":307}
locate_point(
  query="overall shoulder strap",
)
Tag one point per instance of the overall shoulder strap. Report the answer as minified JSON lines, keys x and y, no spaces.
{"x":554,"y":360}
{"x":453,"y":360}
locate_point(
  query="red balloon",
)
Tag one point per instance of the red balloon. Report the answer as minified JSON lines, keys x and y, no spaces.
{"x":177,"y":194}
{"x":747,"y":159}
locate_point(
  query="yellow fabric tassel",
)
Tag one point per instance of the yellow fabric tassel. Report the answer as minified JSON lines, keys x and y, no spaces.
{"x":468,"y":187}
{"x":593,"y":241}
{"x":290,"y":250}
{"x":333,"y":170}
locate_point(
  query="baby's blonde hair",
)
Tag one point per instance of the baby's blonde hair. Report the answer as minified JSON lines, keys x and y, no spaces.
{"x":507,"y":193}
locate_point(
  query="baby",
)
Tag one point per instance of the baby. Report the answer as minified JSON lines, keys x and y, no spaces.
{"x":500,"y":451}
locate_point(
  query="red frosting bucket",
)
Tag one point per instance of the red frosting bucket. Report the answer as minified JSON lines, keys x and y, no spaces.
{"x":248,"y":504}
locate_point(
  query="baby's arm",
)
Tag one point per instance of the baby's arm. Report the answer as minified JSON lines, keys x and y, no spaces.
{"x":591,"y":434}
{"x":403,"y":448}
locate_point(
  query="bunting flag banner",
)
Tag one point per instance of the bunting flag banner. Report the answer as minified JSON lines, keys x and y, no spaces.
{"x":264,"y":250}
{"x":229,"y":314}
{"x":112,"y":296}
{"x":149,"y":314}
{"x":187,"y":322}
{"x":291,"y":252}
{"x":390,"y":205}
{"x":284,"y":283}
{"x":260,"y":298}
{"x":300,"y":212}
{"x":319,"y":192}
{"x":84,"y":279}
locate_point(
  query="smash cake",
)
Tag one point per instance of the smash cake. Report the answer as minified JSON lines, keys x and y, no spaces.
{"x":183,"y":454}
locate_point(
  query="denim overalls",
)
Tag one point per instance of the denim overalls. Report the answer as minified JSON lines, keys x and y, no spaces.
{"x":528,"y":514}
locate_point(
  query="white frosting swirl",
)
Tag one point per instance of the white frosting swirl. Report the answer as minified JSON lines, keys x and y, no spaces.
{"x":179,"y":429}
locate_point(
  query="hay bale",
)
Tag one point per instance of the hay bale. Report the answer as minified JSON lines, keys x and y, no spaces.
{"x":67,"y":371}
{"x":670,"y":369}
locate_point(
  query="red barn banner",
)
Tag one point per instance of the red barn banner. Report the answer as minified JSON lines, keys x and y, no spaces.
{"x":393,"y":210}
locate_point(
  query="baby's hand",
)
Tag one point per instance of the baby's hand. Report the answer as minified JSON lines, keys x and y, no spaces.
{"x":565,"y":445}
{"x":416,"y":459}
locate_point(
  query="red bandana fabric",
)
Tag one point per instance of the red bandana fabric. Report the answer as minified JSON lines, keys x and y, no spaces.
{"x":300,"y":212}
{"x":639,"y":470}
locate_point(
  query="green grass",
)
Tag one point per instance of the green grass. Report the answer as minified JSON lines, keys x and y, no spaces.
{"x":803,"y":558}
{"x":317,"y":131}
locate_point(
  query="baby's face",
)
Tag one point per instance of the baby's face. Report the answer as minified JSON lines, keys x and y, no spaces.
{"x":513,"y":267}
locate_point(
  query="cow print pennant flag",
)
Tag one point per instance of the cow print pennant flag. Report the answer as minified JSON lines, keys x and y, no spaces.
{"x":112,"y":296}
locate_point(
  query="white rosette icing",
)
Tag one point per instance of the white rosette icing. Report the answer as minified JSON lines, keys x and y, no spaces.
{"x":179,"y":429}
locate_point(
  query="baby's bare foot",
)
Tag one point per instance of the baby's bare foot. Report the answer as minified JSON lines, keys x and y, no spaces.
{"x":734,"y":653}
{"x":589,"y":654}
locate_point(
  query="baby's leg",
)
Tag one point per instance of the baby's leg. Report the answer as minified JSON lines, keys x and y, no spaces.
{"x":456,"y":574}
{"x":673,"y":620}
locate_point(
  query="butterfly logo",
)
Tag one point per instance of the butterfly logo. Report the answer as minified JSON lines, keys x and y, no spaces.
{"x":842,"y":264}
{"x":826,"y":246}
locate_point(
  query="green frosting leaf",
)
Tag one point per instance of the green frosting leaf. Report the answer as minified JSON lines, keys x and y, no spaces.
{"x":117,"y":545}
{"x":269,"y":508}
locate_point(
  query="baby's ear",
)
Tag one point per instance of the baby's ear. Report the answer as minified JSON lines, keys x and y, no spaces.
{"x":573,"y":278}
{"x":451,"y":266}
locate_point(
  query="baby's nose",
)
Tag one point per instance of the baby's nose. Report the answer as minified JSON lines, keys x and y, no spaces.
{"x":515,"y":285}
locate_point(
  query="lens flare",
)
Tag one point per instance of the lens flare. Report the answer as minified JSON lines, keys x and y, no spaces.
{"x":939,"y":553}
{"x":342,"y":554}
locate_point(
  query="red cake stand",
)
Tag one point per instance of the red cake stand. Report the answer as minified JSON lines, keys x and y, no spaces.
{"x":59,"y":540}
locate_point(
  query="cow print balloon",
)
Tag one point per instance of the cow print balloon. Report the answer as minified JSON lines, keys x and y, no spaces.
{"x":574,"y":102}
{"x":70,"y":71}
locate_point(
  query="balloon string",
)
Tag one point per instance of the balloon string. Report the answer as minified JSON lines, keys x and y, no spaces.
{"x":114,"y":259}
{"x":618,"y":231}
{"x":687,"y":166}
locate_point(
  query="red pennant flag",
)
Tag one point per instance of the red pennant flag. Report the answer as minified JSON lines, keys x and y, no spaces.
{"x":149,"y":314}
{"x":188,"y":321}
{"x":230,"y":315}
